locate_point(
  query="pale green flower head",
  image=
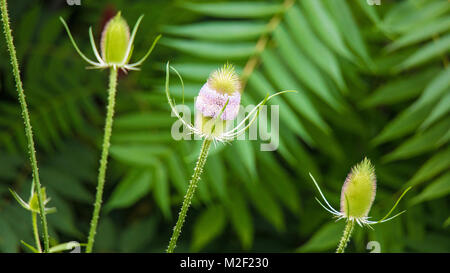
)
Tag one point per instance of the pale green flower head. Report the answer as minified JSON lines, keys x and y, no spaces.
{"x":225,"y":80}
{"x":358,"y":191}
{"x":115,"y":40}
{"x":116,"y":45}
{"x":357,"y":196}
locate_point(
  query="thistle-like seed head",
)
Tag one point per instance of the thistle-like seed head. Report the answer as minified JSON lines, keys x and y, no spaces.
{"x":358,"y":191}
{"x":115,"y":40}
{"x":225,"y":80}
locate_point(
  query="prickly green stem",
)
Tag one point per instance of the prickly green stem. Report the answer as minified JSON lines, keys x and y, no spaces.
{"x":26,"y":118}
{"x":190,"y":193}
{"x":104,"y":157}
{"x":346,"y":236}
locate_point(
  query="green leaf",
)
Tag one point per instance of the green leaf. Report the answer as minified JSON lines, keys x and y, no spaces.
{"x":420,"y":143}
{"x":141,"y":155}
{"x":30,"y":247}
{"x":8,"y":238}
{"x":304,"y":69}
{"x":442,"y":109}
{"x":401,"y":89}
{"x":325,"y":238}
{"x":177,"y":173}
{"x":314,"y":48}
{"x":370,"y":11}
{"x":431,"y":242}
{"x":19,"y":200}
{"x":432,"y":167}
{"x":22,"y":33}
{"x":245,"y":151}
{"x":437,"y":189}
{"x":65,"y":184}
{"x":217,"y":176}
{"x":142,"y":120}
{"x":135,"y":185}
{"x":265,"y":203}
{"x":138,"y":235}
{"x":413,"y":116}
{"x":406,"y":122}
{"x":349,"y":28}
{"x":141,"y":137}
{"x":211,"y":50}
{"x":280,"y":183}
{"x":428,"y":52}
{"x":208,"y":226}
{"x":241,"y":218}
{"x":219,"y":30}
{"x":241,"y":9}
{"x":284,"y":81}
{"x":435,"y":90}
{"x":326,"y":27}
{"x":421,"y":33}
{"x":410,"y":14}
{"x":161,"y":190}
{"x":262,"y":87}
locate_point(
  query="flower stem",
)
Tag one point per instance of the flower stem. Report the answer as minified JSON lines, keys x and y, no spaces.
{"x":346,"y":236}
{"x":104,"y":157}
{"x":26,"y":118}
{"x":36,"y":231}
{"x":190,"y":193}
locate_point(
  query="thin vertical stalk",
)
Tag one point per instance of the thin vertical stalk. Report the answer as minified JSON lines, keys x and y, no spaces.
{"x":346,"y":236}
{"x":36,"y":231}
{"x":26,"y":118}
{"x":104,"y":157}
{"x":189,"y":194}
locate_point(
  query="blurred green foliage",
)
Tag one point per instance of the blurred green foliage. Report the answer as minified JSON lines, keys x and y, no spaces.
{"x":372,"y":81}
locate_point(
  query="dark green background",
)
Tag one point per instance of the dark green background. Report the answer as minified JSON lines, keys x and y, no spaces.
{"x":372,"y":80}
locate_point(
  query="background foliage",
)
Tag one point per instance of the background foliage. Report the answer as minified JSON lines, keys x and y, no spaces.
{"x":372,"y":80}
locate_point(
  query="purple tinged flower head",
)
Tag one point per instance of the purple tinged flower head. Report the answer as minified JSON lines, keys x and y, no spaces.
{"x":222,"y":86}
{"x":217,"y":106}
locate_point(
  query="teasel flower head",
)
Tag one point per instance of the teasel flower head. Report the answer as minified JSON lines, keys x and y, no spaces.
{"x":357,"y":196}
{"x":217,"y":105}
{"x":222,"y":87}
{"x":33,"y":204}
{"x":115,"y":40}
{"x":116,"y":45}
{"x":358,"y":191}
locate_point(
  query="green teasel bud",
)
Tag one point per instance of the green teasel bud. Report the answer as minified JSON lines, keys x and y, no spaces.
{"x":358,"y":191}
{"x":115,"y":40}
{"x":34,"y":202}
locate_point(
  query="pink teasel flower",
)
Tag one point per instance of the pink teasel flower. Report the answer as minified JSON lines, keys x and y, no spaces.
{"x":217,"y":105}
{"x":357,"y":196}
{"x":210,"y":103}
